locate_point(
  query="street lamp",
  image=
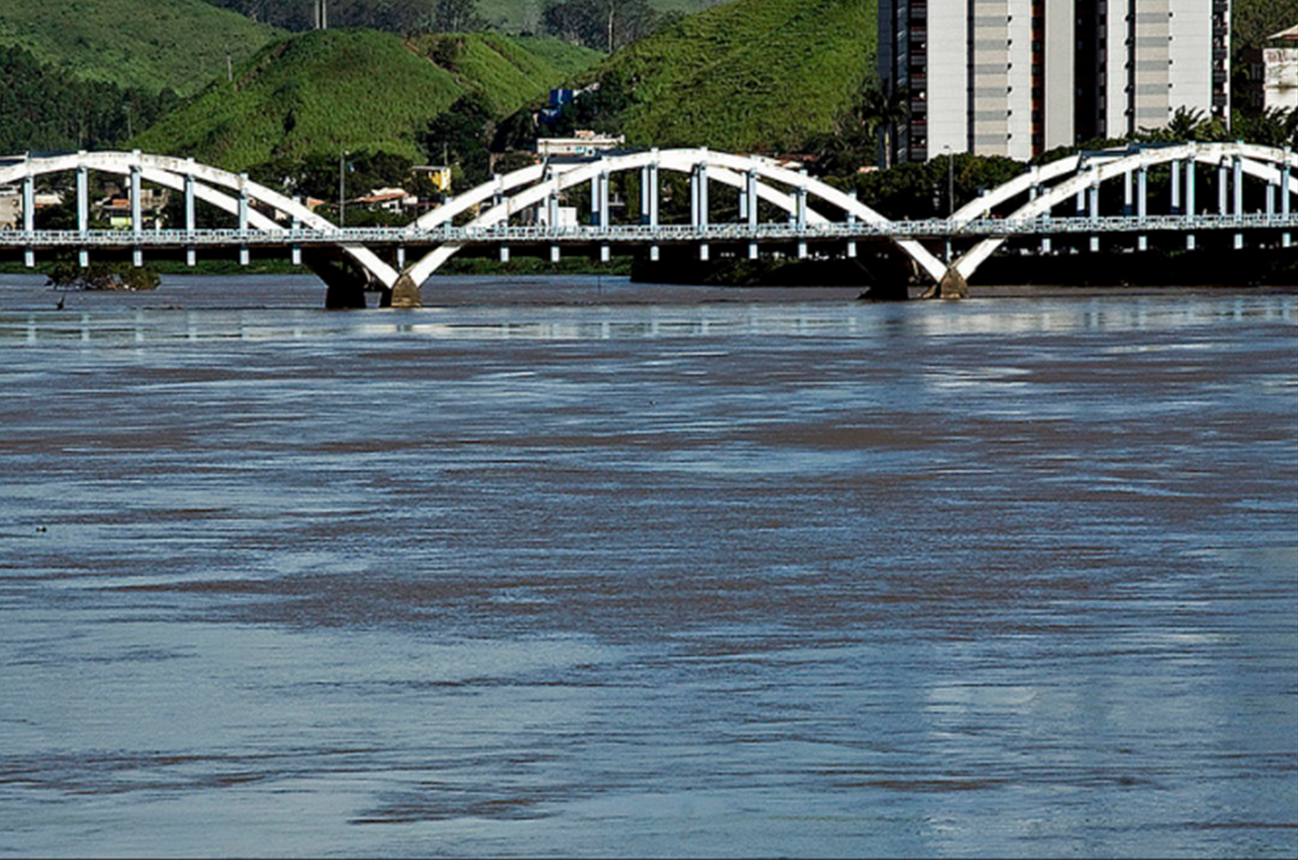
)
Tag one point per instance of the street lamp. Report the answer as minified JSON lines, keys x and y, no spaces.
{"x":950,"y":195}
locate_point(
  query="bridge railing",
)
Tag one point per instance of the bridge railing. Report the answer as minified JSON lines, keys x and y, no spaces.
{"x":644,"y":234}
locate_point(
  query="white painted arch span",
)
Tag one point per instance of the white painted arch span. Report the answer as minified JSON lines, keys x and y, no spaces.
{"x":1045,"y":187}
{"x":209,"y":184}
{"x":531,"y":186}
{"x":1080,"y":173}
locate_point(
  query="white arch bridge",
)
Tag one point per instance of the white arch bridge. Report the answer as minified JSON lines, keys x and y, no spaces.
{"x":1087,"y":202}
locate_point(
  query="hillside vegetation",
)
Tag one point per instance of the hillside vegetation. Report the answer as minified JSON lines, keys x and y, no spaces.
{"x":150,"y":45}
{"x":760,"y":75}
{"x":329,"y":90}
{"x":44,"y":108}
{"x":507,"y":71}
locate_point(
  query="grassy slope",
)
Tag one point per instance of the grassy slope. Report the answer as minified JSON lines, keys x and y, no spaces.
{"x":509,"y":14}
{"x":508,"y":71}
{"x":324,"y":91}
{"x":150,"y":44}
{"x":754,"y":74}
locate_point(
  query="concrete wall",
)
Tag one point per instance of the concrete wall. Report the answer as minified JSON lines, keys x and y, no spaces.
{"x":946,"y":87}
{"x":1150,"y":56}
{"x":1280,"y":84}
{"x":1190,"y":56}
{"x":1059,"y":72}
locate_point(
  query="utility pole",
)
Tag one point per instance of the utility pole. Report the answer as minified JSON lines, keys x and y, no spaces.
{"x":342,"y":189}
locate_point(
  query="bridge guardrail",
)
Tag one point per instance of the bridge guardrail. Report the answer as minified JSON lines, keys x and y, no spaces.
{"x":643,"y":234}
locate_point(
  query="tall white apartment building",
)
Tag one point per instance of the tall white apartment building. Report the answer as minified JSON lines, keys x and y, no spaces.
{"x":1018,"y":77}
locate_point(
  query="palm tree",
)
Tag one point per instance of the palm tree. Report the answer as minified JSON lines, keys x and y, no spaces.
{"x":880,"y":114}
{"x":1186,"y":124}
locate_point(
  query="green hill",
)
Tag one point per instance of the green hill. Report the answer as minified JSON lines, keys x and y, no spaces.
{"x":144,"y":44}
{"x":750,"y":75}
{"x":328,"y":90}
{"x":508,"y":71}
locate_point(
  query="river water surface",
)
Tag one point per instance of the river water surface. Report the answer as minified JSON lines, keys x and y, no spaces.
{"x":586,"y":568}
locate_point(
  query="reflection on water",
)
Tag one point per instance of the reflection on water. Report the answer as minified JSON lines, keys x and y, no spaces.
{"x":631,"y":574}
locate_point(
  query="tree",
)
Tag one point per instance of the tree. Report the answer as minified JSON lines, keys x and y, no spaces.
{"x":457,"y":16}
{"x":67,"y":274}
{"x":1274,"y":127}
{"x":460,"y":137}
{"x":880,"y":114}
{"x":604,"y":25}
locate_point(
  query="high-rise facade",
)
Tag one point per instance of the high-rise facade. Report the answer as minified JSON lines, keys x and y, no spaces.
{"x":1018,"y":77}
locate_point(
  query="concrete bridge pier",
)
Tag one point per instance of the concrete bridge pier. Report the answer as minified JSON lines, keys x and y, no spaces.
{"x":345,"y":284}
{"x":405,"y":293}
{"x":952,"y":286}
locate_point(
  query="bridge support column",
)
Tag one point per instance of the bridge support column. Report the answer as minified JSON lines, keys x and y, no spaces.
{"x":649,"y":194}
{"x":29,"y":217}
{"x":1142,"y":205}
{"x":137,"y":213}
{"x":1094,"y":195}
{"x":1223,"y":190}
{"x":1237,"y":186}
{"x":703,"y":251}
{"x":405,"y":293}
{"x":344,"y":283}
{"x":554,"y":253}
{"x":699,"y":195}
{"x":952,"y":286}
{"x":1286,"y":236}
{"x":1033,"y":193}
{"x":1190,"y":204}
{"x":296,"y":250}
{"x":597,"y":185}
{"x":654,"y":253}
{"x":83,"y":211}
{"x":800,"y":217}
{"x":191,"y":253}
{"x":1176,"y":187}
{"x":504,"y":255}
{"x":243,"y":217}
{"x":605,"y":253}
{"x":851,"y":243}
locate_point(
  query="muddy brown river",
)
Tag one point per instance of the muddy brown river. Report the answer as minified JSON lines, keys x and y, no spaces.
{"x":579,"y":567}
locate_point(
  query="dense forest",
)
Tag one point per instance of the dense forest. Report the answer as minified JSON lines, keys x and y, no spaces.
{"x":44,"y":108}
{"x":604,"y":25}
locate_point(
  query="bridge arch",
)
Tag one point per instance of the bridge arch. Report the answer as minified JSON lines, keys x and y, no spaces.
{"x":530,"y":186}
{"x":1083,"y":172}
{"x":209,"y":184}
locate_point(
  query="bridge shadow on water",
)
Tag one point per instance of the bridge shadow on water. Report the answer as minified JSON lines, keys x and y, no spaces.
{"x":887,"y":277}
